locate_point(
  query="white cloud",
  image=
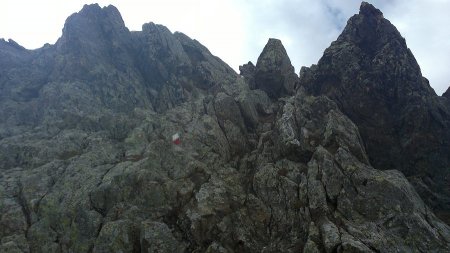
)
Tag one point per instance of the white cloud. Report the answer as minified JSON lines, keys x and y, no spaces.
{"x":237,"y":30}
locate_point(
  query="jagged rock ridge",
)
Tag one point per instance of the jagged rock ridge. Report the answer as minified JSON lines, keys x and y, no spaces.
{"x":87,"y":163}
{"x":447,"y":93}
{"x":374,"y":78}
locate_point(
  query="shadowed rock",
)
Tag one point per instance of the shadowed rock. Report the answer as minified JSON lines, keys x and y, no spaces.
{"x":248,"y":72}
{"x":374,"y":78}
{"x":274,"y":73}
{"x":88,"y":164}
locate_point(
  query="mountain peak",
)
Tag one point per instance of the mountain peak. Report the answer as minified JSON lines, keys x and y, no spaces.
{"x":274,"y":43}
{"x":366,"y":9}
{"x":374,"y":78}
{"x":93,"y":26}
{"x":89,"y":8}
{"x":274,"y":71}
{"x":91,"y":17}
{"x":92,"y":10}
{"x":370,"y":30}
{"x":118,"y":141}
{"x":273,"y":53}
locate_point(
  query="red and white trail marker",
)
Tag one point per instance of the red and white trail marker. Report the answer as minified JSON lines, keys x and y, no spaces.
{"x":176,"y":139}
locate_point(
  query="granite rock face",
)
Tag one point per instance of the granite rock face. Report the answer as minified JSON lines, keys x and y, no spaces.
{"x":87,"y":161}
{"x":273,"y":73}
{"x":375,"y":80}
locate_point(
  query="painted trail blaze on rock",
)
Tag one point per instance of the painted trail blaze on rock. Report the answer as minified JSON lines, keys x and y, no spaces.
{"x":176,"y":139}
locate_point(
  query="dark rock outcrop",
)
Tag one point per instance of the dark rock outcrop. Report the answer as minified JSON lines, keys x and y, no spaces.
{"x":273,"y":73}
{"x":88,"y":165}
{"x":248,"y":72}
{"x":447,"y":93}
{"x":373,"y":77}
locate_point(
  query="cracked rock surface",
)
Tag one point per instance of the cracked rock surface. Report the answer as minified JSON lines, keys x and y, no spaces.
{"x":374,"y":78}
{"x":88,"y":165}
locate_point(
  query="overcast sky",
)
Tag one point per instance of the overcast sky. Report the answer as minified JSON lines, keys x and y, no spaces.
{"x":237,"y":30}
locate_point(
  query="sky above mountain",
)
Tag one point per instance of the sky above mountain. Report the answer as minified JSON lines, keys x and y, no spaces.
{"x":237,"y":30}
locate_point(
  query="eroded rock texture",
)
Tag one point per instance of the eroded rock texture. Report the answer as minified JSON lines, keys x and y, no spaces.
{"x":274,"y":73}
{"x":375,"y":80}
{"x":88,"y":165}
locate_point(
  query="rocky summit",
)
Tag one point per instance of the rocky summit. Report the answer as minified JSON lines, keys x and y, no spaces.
{"x":375,"y":80}
{"x":352,"y":155}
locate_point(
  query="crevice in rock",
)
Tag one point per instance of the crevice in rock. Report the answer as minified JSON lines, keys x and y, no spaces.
{"x":100,"y":211}
{"x":364,"y":183}
{"x":21,"y":200}
{"x":104,"y":174}
{"x":97,"y":233}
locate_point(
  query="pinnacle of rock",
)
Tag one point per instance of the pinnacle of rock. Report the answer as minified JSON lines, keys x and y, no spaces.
{"x":373,"y":76}
{"x":274,"y":72}
{"x":368,"y":9}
